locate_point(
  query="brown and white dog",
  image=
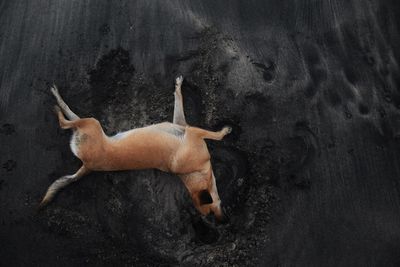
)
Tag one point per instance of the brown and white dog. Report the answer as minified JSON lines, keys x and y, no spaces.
{"x":171,"y":147}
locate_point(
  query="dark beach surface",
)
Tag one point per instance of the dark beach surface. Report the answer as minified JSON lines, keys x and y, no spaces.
{"x":310,"y":175}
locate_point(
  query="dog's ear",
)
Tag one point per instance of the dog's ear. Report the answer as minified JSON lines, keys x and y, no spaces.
{"x":205,"y":197}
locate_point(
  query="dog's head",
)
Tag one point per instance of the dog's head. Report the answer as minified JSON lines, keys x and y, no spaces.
{"x":204,"y":193}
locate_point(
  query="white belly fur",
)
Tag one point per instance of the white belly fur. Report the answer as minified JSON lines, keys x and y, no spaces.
{"x":119,"y":136}
{"x":73,"y":145}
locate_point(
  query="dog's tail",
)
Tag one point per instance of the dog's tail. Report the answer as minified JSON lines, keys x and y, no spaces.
{"x":53,"y":189}
{"x":60,"y":183}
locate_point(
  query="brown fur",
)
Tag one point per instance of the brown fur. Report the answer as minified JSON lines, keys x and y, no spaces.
{"x":170,"y":147}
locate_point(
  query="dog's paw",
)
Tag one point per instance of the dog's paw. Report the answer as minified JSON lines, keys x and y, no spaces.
{"x":54,"y":90}
{"x":179,"y":80}
{"x":227,"y":129}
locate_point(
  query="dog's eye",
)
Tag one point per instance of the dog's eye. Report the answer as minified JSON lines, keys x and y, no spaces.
{"x":205,"y":197}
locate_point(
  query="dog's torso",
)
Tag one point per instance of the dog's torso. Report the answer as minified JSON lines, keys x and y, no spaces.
{"x":163,"y":146}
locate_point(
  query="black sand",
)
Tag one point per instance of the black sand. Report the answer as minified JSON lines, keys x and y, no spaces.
{"x":310,"y":175}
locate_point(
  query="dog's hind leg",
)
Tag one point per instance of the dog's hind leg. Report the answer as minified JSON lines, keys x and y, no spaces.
{"x":61,"y":183}
{"x":64,"y":107}
{"x":64,"y":124}
{"x":179,"y":115}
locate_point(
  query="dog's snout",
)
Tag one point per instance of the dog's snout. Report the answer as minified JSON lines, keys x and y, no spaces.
{"x":223,"y":217}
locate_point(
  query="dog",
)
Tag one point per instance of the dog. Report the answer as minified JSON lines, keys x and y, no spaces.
{"x":170,"y":147}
